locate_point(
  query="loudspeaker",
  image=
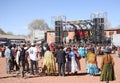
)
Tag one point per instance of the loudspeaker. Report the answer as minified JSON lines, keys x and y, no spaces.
{"x":58,"y":32}
{"x":98,"y":21}
{"x":98,"y":30}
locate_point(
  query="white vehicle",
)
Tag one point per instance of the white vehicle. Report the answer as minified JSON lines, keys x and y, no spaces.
{"x":115,"y":39}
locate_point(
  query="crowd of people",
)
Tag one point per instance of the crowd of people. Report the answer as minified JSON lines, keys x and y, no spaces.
{"x":24,"y":58}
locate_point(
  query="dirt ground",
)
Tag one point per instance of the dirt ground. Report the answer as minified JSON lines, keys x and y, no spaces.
{"x":82,"y":77}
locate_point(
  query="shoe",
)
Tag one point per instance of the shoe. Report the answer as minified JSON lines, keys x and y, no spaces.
{"x":32,"y":74}
{"x":8,"y":72}
{"x":59,"y":75}
{"x":63,"y":75}
{"x":75,"y":73}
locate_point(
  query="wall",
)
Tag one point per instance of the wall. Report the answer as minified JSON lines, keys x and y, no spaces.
{"x":108,"y":33}
{"x":51,"y":36}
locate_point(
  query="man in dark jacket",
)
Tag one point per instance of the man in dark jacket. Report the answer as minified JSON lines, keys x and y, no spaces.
{"x":22,"y":60}
{"x":61,"y":60}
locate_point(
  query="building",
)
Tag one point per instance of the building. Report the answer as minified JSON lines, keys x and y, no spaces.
{"x":12,"y":39}
{"x":50,"y":35}
{"x":109,"y":32}
{"x":38,"y":34}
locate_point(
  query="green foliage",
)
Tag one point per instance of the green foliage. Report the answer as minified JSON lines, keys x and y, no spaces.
{"x":39,"y":24}
{"x":9,"y":33}
{"x":2,"y":32}
{"x":5,"y":33}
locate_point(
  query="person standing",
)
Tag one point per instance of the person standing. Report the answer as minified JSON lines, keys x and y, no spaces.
{"x":82,"y":51}
{"x":14,"y":52}
{"x":8,"y":58}
{"x":49,"y":66}
{"x":22,"y":59}
{"x":118,"y":52}
{"x":41,"y":51}
{"x":72,"y":65}
{"x":92,"y":67}
{"x":0,"y":50}
{"x":26,"y":58}
{"x":33,"y":53}
{"x":107,"y":67}
{"x":68,"y":60}
{"x":61,"y":60}
{"x":3,"y":50}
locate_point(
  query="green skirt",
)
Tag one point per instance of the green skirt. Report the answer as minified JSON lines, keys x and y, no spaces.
{"x":107,"y":73}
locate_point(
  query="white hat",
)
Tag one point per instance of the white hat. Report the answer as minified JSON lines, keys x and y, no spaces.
{"x":32,"y":44}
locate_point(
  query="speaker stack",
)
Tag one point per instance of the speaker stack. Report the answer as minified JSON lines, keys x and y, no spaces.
{"x":98,"y":30}
{"x":58,"y":32}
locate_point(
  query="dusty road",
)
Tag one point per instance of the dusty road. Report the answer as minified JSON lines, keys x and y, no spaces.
{"x":82,"y":77}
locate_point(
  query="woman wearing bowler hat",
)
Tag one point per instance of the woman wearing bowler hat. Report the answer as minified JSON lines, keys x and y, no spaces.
{"x":107,"y":67}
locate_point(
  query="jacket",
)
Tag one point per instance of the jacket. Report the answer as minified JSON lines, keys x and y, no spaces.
{"x":60,"y":56}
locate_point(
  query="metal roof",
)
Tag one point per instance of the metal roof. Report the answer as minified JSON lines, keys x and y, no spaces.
{"x":118,"y":28}
{"x":12,"y":37}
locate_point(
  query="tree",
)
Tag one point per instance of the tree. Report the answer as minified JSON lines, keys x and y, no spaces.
{"x":39,"y":24}
{"x":2,"y":32}
{"x":9,"y":33}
